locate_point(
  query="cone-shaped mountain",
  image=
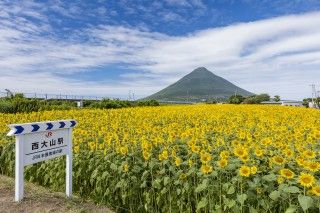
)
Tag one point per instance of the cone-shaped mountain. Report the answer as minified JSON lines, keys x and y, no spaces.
{"x":198,"y":85}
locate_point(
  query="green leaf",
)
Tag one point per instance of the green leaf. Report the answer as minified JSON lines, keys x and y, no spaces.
{"x":177,"y":182}
{"x":214,"y":174}
{"x":148,"y":199}
{"x":152,"y":164}
{"x":252,"y":210}
{"x":231,"y":190}
{"x":270,"y":177}
{"x":230,"y":203}
{"x":203,"y":202}
{"x":218,"y":209}
{"x":166,"y":180}
{"x":274,"y":195}
{"x":291,"y":189}
{"x":163,"y":191}
{"x":93,"y":176}
{"x":202,"y":186}
{"x":186,"y":186}
{"x":178,"y":191}
{"x":305,"y":202}
{"x":119,"y":184}
{"x":242,"y":198}
{"x":105,"y":174}
{"x":144,"y":184}
{"x":291,"y":209}
{"x":162,"y":171}
{"x":156,"y":184}
{"x":225,"y":186}
{"x":145,"y":175}
{"x":113,"y":167}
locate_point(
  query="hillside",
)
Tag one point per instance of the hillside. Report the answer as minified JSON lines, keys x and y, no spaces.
{"x":198,"y":85}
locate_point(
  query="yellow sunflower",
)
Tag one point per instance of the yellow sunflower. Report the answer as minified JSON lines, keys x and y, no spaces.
{"x":316,"y":190}
{"x":126,"y":167}
{"x":224,"y":154}
{"x":287,"y":173}
{"x":206,"y":169}
{"x":245,"y":158}
{"x":205,"y":157}
{"x":222,"y":163}
{"x":178,"y":161}
{"x":239,"y":152}
{"x":278,"y":160}
{"x":244,"y":171}
{"x":280,"y":180}
{"x":258,"y":152}
{"x":313,"y":166}
{"x":253,"y":170}
{"x":309,"y":154}
{"x":306,"y":180}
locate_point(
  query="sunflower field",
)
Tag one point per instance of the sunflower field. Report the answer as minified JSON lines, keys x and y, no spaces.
{"x":197,"y":158}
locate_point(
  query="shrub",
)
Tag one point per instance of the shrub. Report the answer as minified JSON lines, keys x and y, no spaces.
{"x":6,"y":106}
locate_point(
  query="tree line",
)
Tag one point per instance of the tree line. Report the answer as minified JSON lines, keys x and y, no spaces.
{"x":18,"y":103}
{"x":253,"y":99}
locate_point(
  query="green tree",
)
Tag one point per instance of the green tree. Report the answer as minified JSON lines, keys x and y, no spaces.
{"x":276,"y":98}
{"x":251,"y":100}
{"x":262,"y":97}
{"x":306,"y":102}
{"x":257,"y":99}
{"x":236,"y":99}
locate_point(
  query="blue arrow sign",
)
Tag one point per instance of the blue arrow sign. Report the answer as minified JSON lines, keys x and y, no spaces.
{"x":35,"y":127}
{"x":62,"y":124}
{"x":50,"y":125}
{"x":73,"y":123}
{"x":19,"y":129}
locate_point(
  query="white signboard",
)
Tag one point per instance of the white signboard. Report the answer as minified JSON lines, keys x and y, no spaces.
{"x":36,"y":142}
{"x":45,"y":145}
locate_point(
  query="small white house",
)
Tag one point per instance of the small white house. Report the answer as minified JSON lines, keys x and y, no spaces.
{"x":291,"y":103}
{"x":271,"y":102}
{"x":284,"y":103}
{"x":313,"y":105}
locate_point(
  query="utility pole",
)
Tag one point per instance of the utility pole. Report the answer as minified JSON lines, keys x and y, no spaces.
{"x":314,"y":94}
{"x":9,"y":93}
{"x":129,"y":96}
{"x":188,"y":98}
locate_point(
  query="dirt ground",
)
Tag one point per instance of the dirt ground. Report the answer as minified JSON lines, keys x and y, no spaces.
{"x":39,"y":199}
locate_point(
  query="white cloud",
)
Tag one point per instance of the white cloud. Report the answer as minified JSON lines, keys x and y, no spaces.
{"x":187,"y":3}
{"x":178,"y":2}
{"x":279,"y":55}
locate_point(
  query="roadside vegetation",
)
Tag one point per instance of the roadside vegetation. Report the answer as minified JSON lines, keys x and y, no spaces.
{"x":253,"y":99}
{"x":19,"y":104}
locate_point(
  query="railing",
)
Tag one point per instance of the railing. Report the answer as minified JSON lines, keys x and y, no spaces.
{"x":54,"y":96}
{"x":177,"y":102}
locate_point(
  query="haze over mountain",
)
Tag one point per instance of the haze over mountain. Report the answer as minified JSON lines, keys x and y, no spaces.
{"x":198,"y":85}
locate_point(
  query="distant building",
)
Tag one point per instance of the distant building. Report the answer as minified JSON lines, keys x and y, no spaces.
{"x":284,"y":103}
{"x":313,"y":105}
{"x":271,"y":102}
{"x":292,"y":103}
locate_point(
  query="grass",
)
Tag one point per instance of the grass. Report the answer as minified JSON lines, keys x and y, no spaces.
{"x":40,"y":199}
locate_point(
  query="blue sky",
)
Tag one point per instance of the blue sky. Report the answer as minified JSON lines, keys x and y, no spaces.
{"x":108,"y":48}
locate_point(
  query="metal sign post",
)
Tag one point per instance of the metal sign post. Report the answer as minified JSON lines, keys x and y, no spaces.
{"x":36,"y":142}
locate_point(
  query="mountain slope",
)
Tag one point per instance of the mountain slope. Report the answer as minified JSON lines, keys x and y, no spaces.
{"x":198,"y":85}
